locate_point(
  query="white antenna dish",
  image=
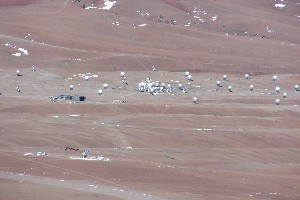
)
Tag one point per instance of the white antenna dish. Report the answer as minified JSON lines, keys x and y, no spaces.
{"x":224,"y":77}
{"x":296,"y":87}
{"x":218,"y":83}
{"x":33,"y":69}
{"x":277,"y":89}
{"x":251,"y":87}
{"x":122,"y":74}
{"x":274,"y":78}
{"x":100,"y":92}
{"x":180,"y":86}
{"x":186,"y":73}
{"x":86,"y":77}
{"x":189,"y":77}
{"x":277,"y":101}
{"x":71,"y":87}
{"x":153,"y":68}
{"x":284,"y":95}
{"x":195,"y":100}
{"x":18,"y":73}
{"x":229,"y":88}
{"x":105,"y":85}
{"x":247,"y":77}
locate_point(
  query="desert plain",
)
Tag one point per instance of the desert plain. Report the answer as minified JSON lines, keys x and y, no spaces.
{"x":234,"y":145}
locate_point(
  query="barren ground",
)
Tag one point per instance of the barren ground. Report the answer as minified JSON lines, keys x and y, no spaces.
{"x":231,"y":145}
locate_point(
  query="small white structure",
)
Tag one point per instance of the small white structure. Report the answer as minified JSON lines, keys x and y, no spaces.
{"x":153,"y":68}
{"x":124,"y":81}
{"x":122,"y":74}
{"x":247,"y":77}
{"x":284,"y":95}
{"x":296,"y":87}
{"x":186,"y":73}
{"x":18,"y":89}
{"x":105,"y":85}
{"x":195,"y":100}
{"x":151,"y":91}
{"x":277,"y":89}
{"x":189,"y":77}
{"x":229,"y":88}
{"x":169,"y":88}
{"x":274,"y":78}
{"x":71,"y":87}
{"x":33,"y":68}
{"x":18,"y":73}
{"x":218,"y":83}
{"x":86,"y":77}
{"x":251,"y":87}
{"x":180,"y":86}
{"x":100,"y":92}
{"x":224,"y":77}
{"x":277,"y":101}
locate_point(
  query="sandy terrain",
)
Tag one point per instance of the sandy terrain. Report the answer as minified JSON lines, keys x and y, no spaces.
{"x":231,"y":145}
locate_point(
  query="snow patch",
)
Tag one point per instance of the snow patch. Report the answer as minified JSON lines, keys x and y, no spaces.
{"x":16,"y":54}
{"x":279,"y":5}
{"x":108,"y":5}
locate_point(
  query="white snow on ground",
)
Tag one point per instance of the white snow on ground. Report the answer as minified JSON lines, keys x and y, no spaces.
{"x":16,"y":54}
{"x":90,"y":158}
{"x":279,"y":5}
{"x":108,"y":4}
{"x":87,"y":8}
{"x":23,"y":50}
{"x":214,"y":18}
{"x":116,"y":23}
{"x":143,"y":25}
{"x":188,"y":24}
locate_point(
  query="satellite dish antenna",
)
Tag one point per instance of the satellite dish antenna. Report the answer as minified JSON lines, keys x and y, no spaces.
{"x":284,"y":95}
{"x":105,"y":85}
{"x":186,"y":73}
{"x":33,"y":69}
{"x":153,"y":68}
{"x":224,"y":77}
{"x":277,"y":101}
{"x":71,"y":87}
{"x":229,"y":88}
{"x":296,"y":87}
{"x":100,"y":92}
{"x":251,"y":87}
{"x":180,"y":86}
{"x":218,"y":83}
{"x":274,"y":78}
{"x":195,"y":100}
{"x":189,"y":77}
{"x":247,"y":77}
{"x":277,"y":89}
{"x":18,"y":89}
{"x":122,"y":74}
{"x":18,"y":73}
{"x":86,"y":77}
